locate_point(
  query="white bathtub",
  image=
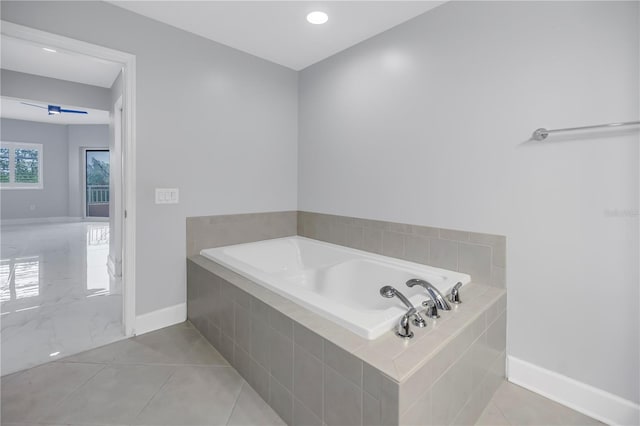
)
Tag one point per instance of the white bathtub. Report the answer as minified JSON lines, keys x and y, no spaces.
{"x":337,"y":282}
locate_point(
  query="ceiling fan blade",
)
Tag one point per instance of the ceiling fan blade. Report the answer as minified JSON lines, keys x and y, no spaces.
{"x":39,"y":106}
{"x":73,"y":111}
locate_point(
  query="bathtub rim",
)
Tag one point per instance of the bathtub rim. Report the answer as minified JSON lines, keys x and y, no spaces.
{"x":256,"y":275}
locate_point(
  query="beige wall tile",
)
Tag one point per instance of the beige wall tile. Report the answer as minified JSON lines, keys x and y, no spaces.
{"x":497,"y":332}
{"x":343,"y":362}
{"x":393,"y":244}
{"x":371,"y":380}
{"x":389,"y":409}
{"x":443,"y":254}
{"x":303,"y":415}
{"x":342,"y":400}
{"x":281,"y":400}
{"x":452,"y":234}
{"x":338,"y":232}
{"x":475,"y":260}
{"x":425,"y":231}
{"x":281,"y":359}
{"x":281,"y":323}
{"x":355,"y":237}
{"x":260,"y":340}
{"x":372,"y":240}
{"x":308,"y":380}
{"x":419,"y":413}
{"x":308,"y":340}
{"x":416,"y":248}
{"x":215,"y":231}
{"x":370,"y":411}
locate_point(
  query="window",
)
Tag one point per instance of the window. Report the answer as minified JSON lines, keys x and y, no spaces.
{"x":20,"y":165}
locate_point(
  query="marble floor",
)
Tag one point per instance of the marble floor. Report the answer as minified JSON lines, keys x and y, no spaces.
{"x":175,"y":377}
{"x":56,"y":297}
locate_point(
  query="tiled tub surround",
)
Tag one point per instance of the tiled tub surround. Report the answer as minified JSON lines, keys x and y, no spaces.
{"x":483,"y":256}
{"x":215,"y":231}
{"x":312,"y":371}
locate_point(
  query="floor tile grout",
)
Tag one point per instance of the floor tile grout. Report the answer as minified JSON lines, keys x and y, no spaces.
{"x":154,"y":394}
{"x":235,"y":403}
{"x":44,"y":415}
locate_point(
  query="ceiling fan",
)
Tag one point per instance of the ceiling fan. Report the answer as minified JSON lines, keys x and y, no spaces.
{"x":56,"y":109}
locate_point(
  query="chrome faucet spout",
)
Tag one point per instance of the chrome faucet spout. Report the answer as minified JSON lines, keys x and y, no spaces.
{"x":434,"y":294}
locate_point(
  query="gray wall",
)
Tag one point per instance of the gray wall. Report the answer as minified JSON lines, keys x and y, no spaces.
{"x":428,"y":124}
{"x":82,"y":136}
{"x":216,"y":123}
{"x":62,"y":168}
{"x":51,"y":201}
{"x":29,"y":86}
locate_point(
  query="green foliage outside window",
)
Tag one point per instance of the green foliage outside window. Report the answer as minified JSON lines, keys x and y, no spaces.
{"x":4,"y":165}
{"x":97,"y":172}
{"x":27,"y":165}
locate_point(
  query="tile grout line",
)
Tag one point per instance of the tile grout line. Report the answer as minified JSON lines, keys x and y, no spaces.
{"x":70,"y":393}
{"x":155,"y":393}
{"x":235,"y":402}
{"x":496,"y":405}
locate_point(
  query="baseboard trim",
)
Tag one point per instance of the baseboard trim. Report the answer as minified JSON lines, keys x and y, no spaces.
{"x":62,"y":219}
{"x":604,"y":406}
{"x":161,"y":318}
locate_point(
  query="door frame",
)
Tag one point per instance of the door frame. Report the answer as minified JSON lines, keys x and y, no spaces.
{"x":127,"y":210}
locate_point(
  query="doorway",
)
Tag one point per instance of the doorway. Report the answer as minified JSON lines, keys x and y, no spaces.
{"x":96,"y":178}
{"x":104,"y":191}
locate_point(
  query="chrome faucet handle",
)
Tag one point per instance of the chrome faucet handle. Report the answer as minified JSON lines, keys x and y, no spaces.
{"x":418,"y":321}
{"x":403,"y":329}
{"x":432,"y":309}
{"x":454,"y":297}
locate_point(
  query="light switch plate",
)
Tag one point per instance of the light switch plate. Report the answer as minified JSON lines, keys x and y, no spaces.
{"x":166,"y":195}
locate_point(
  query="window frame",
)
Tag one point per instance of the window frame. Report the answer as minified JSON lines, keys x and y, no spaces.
{"x":12,"y":184}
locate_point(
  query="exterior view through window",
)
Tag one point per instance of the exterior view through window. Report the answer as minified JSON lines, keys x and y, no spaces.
{"x":97,"y":182}
{"x":21,"y":165}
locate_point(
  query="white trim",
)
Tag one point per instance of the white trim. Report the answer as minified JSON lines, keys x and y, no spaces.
{"x":33,"y":220}
{"x":114,"y":267}
{"x":128,"y":62}
{"x":604,"y":406}
{"x":161,"y":318}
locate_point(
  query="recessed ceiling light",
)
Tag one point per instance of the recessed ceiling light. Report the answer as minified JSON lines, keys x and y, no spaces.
{"x":317,"y":17}
{"x":48,"y":49}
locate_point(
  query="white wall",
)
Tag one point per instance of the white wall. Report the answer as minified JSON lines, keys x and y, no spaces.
{"x":428,"y":124}
{"x":51,"y":200}
{"x":216,"y":123}
{"x":80,"y":137}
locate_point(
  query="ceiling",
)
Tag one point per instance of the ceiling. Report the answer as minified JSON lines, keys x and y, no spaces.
{"x":277,"y":30}
{"x":14,"y":108}
{"x":22,"y":56}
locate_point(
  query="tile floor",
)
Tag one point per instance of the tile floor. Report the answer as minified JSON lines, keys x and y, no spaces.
{"x":174,"y":377}
{"x":169,"y":377}
{"x":56,"y":298}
